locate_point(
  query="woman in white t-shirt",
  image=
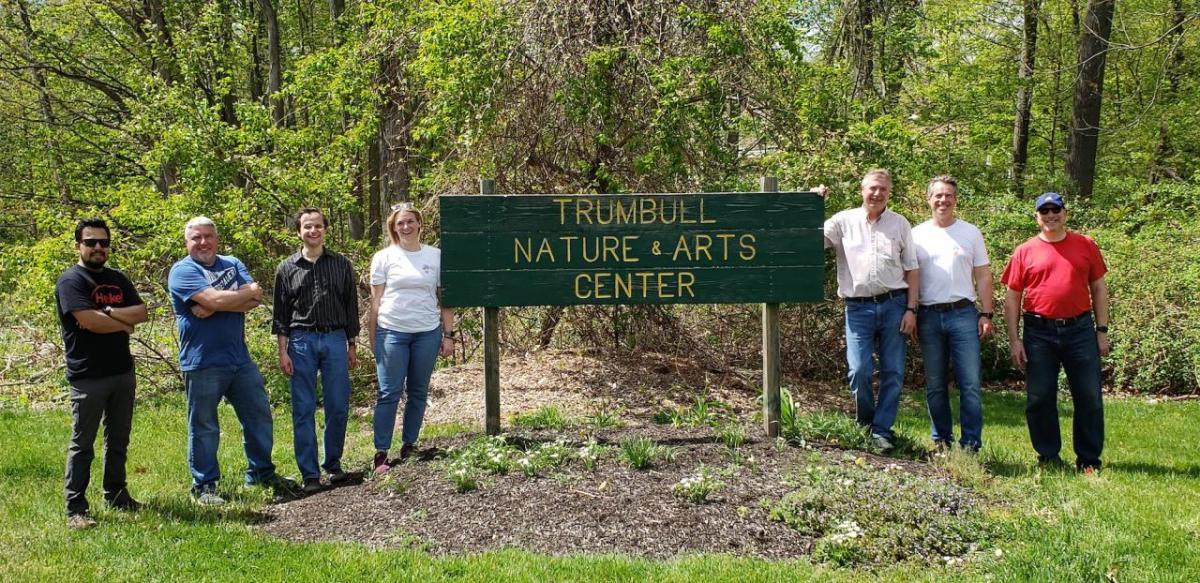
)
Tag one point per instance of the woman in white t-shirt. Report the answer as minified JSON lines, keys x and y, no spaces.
{"x":408,"y":329}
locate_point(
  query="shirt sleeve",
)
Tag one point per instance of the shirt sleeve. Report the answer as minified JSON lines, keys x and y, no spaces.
{"x":350,"y":293}
{"x":1098,"y":267}
{"x":980,"y":254}
{"x":73,"y":294}
{"x":833,"y":233}
{"x":185,"y":281}
{"x":243,"y":272}
{"x":1014,"y":272}
{"x":908,"y":251}
{"x":378,"y":269}
{"x":281,"y":310}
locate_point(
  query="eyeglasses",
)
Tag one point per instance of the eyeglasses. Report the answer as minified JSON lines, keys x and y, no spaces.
{"x":1046,"y":210}
{"x":96,"y":242}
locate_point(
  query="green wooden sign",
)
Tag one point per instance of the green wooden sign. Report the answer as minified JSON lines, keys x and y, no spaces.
{"x":713,"y":248}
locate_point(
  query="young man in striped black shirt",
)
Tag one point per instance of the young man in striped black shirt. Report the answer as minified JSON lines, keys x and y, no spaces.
{"x":316,"y":324}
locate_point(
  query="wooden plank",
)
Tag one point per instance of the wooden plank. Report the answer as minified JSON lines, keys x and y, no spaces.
{"x":707,"y":285}
{"x":770,"y":340}
{"x":666,"y":248}
{"x":491,"y":348}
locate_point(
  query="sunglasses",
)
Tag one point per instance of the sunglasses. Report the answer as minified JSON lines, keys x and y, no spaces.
{"x":96,"y":243}
{"x":1050,"y":210}
{"x":403,"y":206}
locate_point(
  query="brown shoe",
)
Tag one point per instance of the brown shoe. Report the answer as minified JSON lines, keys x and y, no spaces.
{"x":80,"y":522}
{"x":407,"y":450}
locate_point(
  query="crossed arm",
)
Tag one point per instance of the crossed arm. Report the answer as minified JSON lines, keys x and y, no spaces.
{"x":210,"y":301}
{"x":117,"y":320}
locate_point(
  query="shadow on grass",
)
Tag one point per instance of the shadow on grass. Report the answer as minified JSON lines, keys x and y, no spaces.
{"x":1155,"y":470}
{"x":187,"y":511}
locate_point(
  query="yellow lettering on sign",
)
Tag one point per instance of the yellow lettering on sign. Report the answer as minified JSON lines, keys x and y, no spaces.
{"x":703,"y":243}
{"x":545,"y":249}
{"x":647,"y":208}
{"x":686,"y":279}
{"x":748,"y":250}
{"x":519,"y":250}
{"x":725,"y":237}
{"x":583,"y":210}
{"x":682,"y":247}
{"x":704,"y":221}
{"x":568,"y":240}
{"x":562,"y":209}
{"x":580,"y":292}
{"x":624,"y":215}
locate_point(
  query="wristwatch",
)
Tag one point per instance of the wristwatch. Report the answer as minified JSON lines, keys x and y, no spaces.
{"x":107,"y":310}
{"x":1103,"y":329}
{"x":451,"y":334}
{"x":987,"y":315}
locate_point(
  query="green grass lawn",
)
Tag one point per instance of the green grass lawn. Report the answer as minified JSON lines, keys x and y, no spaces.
{"x":1137,"y":521}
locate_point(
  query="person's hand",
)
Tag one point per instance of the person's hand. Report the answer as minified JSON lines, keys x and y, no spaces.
{"x":352,"y":356}
{"x":1016,"y":350}
{"x":200,"y":311}
{"x":908,"y":324}
{"x":285,"y":364}
{"x":1102,"y":339}
{"x":255,"y":291}
{"x":447,"y":347}
{"x":985,"y":327}
{"x":822,"y":191}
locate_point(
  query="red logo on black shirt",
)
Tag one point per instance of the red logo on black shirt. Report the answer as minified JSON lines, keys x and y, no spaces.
{"x":108,"y":295}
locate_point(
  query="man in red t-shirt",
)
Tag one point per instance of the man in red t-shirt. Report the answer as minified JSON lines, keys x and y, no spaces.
{"x":1057,"y":280}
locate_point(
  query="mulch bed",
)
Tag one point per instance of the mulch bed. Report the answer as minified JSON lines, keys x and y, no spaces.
{"x":613,"y":509}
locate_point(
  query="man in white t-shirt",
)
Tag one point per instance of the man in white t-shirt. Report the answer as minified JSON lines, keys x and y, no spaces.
{"x":954,"y":272}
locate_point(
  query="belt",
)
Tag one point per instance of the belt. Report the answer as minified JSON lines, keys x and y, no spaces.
{"x":883,"y":297}
{"x":1032,"y":318}
{"x":946,"y":307}
{"x":318,"y":329}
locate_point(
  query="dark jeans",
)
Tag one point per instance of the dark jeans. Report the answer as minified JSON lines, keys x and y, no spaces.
{"x":107,"y":401}
{"x":1073,"y":348}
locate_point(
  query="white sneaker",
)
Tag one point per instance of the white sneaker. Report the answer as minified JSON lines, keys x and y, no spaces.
{"x":883,"y":443}
{"x":208,"y":498}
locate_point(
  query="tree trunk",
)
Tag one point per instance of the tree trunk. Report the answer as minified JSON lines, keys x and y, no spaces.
{"x":275,"y":59}
{"x":395,"y":119}
{"x":1161,"y":167}
{"x":1089,"y":89}
{"x":375,"y":216}
{"x":1024,"y":97}
{"x":39,"y":81}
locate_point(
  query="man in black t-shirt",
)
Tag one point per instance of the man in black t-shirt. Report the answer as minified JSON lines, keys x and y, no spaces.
{"x":97,"y":310}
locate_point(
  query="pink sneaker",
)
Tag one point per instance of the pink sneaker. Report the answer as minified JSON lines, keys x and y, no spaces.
{"x":381,"y":462}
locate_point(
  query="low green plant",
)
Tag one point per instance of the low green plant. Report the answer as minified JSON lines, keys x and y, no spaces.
{"x":547,"y":417}
{"x":463,"y":477}
{"x":904,"y":517}
{"x":732,"y":434}
{"x":697,"y":487}
{"x":604,"y":415}
{"x":641,"y":452}
{"x":544,"y":456}
{"x":492,"y":455}
{"x":590,"y":453}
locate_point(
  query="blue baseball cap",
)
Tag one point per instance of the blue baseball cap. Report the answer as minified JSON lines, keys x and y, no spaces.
{"x":1049,"y":198}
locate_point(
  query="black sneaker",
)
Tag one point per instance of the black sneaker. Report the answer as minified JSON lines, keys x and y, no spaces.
{"x":338,"y":477}
{"x":407,"y":450}
{"x":312,"y":485}
{"x":124,"y":502}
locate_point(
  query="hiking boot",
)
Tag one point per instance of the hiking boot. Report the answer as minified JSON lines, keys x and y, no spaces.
{"x":312,"y":485}
{"x":208,"y":498}
{"x":884,"y":444}
{"x":80,"y":521}
{"x":380,"y":464}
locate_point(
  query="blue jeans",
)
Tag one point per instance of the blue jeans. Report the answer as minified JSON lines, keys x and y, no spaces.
{"x":952,"y":336}
{"x":242,"y":386}
{"x":404,"y":362}
{"x":874,"y":328}
{"x":325,"y":352}
{"x":1075,"y":349}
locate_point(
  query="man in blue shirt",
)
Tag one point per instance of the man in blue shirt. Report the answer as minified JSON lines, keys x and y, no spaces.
{"x":210,"y":294}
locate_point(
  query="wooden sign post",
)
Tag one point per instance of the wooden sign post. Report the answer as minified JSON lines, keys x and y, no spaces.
{"x":702,"y":248}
